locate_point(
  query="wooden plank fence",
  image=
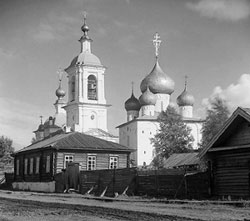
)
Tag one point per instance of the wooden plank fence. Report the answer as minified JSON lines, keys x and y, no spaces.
{"x":108,"y":182}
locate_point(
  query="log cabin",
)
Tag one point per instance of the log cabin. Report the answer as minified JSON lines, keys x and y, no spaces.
{"x":228,"y":157}
{"x":36,"y":165}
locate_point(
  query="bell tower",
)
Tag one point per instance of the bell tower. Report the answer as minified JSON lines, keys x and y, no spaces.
{"x":86,"y":107}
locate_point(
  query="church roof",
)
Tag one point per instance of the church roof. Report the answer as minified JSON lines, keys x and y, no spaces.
{"x":76,"y":141}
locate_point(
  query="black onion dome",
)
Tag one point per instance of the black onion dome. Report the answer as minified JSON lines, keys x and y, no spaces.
{"x":185,"y":99}
{"x":158,"y":81}
{"x":132,"y":103}
{"x":147,"y":98}
{"x":41,"y":127}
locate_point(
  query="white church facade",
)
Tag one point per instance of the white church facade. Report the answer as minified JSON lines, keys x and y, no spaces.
{"x":142,"y":113}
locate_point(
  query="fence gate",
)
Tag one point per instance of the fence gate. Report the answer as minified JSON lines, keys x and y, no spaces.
{"x":72,"y":176}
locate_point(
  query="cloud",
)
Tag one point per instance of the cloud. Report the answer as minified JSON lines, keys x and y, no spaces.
{"x":228,"y":10}
{"x":18,"y":119}
{"x":6,"y":54}
{"x":235,"y":94}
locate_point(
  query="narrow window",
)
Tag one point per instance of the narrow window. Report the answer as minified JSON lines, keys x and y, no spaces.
{"x":37,"y":164}
{"x":25,"y":166}
{"x":92,"y":87}
{"x":17,"y":167}
{"x":73,"y":88}
{"x":48,"y":164}
{"x":31,"y":165}
{"x":91,"y":165}
{"x":113,"y":162}
{"x":68,"y":159}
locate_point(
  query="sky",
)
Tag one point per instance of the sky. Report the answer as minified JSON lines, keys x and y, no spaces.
{"x":207,"y":40}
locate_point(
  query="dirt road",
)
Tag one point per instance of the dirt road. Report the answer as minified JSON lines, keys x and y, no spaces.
{"x":33,"y":206}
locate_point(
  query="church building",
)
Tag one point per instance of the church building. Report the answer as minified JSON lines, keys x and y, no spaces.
{"x":86,"y":108}
{"x":142,"y":113}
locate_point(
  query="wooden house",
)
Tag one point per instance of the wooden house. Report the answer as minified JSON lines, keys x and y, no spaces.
{"x":36,"y":165}
{"x":228,"y":157}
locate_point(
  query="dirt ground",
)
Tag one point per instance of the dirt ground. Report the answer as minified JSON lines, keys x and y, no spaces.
{"x":38,"y":206}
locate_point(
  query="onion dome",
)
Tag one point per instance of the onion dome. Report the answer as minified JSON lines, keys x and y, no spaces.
{"x":158,"y":81}
{"x":132,"y":103}
{"x":41,"y":127}
{"x":60,"y":93}
{"x":147,"y":98}
{"x":185,"y":98}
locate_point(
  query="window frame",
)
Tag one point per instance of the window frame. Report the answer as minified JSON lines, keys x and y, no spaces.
{"x":113,"y":162}
{"x":67,"y":161}
{"x":91,"y":162}
{"x":17,"y":167}
{"x":37,"y":168}
{"x":25,"y":166}
{"x":31,"y":168}
{"x":48,"y":159}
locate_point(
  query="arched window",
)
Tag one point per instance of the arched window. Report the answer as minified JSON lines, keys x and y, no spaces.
{"x":92,"y":87}
{"x":73,"y":88}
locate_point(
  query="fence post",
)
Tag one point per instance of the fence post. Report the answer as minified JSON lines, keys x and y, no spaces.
{"x":114,"y":182}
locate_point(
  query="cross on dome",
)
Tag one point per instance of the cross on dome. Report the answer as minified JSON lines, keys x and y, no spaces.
{"x":41,"y":117}
{"x":157,"y":43}
{"x":186,"y":78}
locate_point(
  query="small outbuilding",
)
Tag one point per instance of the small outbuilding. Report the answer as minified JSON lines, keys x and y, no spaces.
{"x":37,"y":165}
{"x":228,"y":157}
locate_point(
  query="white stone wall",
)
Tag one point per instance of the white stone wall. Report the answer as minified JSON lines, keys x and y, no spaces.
{"x":48,"y":187}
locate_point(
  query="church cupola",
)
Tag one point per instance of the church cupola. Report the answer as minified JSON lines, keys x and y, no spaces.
{"x":39,"y":133}
{"x":60,"y":93}
{"x":148,"y":101}
{"x":185,"y":102}
{"x":158,"y":82}
{"x":132,"y":106}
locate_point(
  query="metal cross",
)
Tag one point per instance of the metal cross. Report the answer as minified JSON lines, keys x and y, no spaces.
{"x":186,"y":78}
{"x":84,"y":16}
{"x":157,"y":42}
{"x":132,"y":83}
{"x":41,"y":117}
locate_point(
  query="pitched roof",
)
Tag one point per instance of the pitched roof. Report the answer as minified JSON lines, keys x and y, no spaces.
{"x":234,"y":120}
{"x":181,"y":159}
{"x":76,"y":141}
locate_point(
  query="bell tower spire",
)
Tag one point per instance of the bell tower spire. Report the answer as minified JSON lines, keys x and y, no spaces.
{"x":85,"y":39}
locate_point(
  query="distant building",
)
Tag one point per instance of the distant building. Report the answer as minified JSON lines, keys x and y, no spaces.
{"x":187,"y":161}
{"x":142,"y":113}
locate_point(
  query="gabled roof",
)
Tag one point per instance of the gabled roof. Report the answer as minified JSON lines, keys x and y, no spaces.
{"x":181,"y":159}
{"x":236,"y":119}
{"x":76,"y":141}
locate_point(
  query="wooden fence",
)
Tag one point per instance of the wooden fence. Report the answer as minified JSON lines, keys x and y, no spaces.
{"x":170,"y":183}
{"x":173,"y":183}
{"x":108,"y":182}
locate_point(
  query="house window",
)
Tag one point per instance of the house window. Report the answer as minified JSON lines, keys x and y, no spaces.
{"x":68,"y":159}
{"x":48,"y":164}
{"x":17,"y":167}
{"x":113,"y":162}
{"x":37,"y":164}
{"x":31,"y":165}
{"x":25,"y":166}
{"x":91,"y":163}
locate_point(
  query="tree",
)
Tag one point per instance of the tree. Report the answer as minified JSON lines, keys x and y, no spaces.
{"x":217,"y":115}
{"x":174,"y":136}
{"x":6,"y":146}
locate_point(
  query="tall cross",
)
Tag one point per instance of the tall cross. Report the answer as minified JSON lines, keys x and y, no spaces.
{"x":84,"y":16}
{"x":157,"y":43}
{"x":186,"y":78}
{"x":41,"y":117}
{"x":60,"y":75}
{"x":132,"y":83}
